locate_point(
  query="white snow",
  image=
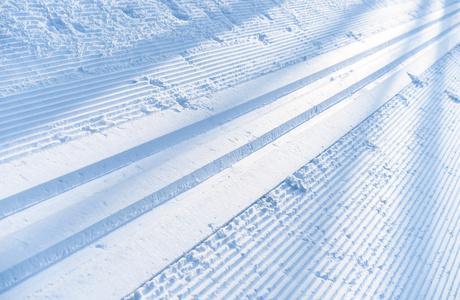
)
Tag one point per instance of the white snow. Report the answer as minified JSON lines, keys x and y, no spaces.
{"x":131,"y":131}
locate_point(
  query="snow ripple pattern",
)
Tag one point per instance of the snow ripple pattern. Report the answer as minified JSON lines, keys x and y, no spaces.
{"x":374,"y":216}
{"x":188,"y":51}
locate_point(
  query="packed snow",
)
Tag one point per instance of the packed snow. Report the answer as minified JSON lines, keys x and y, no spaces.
{"x":224,"y":149}
{"x":351,"y":223}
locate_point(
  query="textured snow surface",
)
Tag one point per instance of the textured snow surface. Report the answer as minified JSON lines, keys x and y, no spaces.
{"x":134,"y":131}
{"x":70,"y":69}
{"x":374,"y":216}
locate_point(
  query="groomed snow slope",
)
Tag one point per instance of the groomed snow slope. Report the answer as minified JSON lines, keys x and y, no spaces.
{"x":132,"y":131}
{"x":70,"y":69}
{"x":376,"y":215}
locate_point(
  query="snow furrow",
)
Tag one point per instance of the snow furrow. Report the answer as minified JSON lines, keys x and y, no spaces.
{"x":399,"y":151}
{"x":212,"y":105}
{"x":218,"y":119}
{"x":272,"y":96}
{"x":103,"y":227}
{"x":216,"y":72}
{"x":331,"y":185}
{"x":373,"y":231}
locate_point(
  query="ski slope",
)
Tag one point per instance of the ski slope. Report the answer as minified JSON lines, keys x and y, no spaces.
{"x":96,"y":89}
{"x":136,"y":138}
{"x":351,"y":223}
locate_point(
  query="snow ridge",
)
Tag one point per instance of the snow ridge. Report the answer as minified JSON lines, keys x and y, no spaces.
{"x":168,"y":74}
{"x":339,"y":227}
{"x":59,"y":185}
{"x":352,"y":223}
{"x":71,"y":244}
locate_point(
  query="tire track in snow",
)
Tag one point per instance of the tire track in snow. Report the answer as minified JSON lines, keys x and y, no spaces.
{"x":371,"y":205}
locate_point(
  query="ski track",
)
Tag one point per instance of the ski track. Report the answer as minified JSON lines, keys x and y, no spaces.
{"x":373,"y":216}
{"x":151,"y":76}
{"x":106,"y":225}
{"x":52,"y":188}
{"x":356,"y":222}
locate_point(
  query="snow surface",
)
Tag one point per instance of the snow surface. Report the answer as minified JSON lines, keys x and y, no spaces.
{"x":351,"y":223}
{"x":132,"y":132}
{"x":69,"y":90}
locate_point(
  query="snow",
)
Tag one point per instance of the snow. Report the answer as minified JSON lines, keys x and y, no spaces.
{"x":96,"y":93}
{"x":131,"y":132}
{"x":328,"y":232}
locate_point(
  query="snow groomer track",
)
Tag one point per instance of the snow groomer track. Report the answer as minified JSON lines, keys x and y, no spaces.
{"x":351,"y":223}
{"x":142,"y":147}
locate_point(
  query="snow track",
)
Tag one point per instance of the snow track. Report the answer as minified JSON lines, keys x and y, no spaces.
{"x":49,"y":116}
{"x":358,"y":221}
{"x":59,"y":185}
{"x":229,"y":93}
